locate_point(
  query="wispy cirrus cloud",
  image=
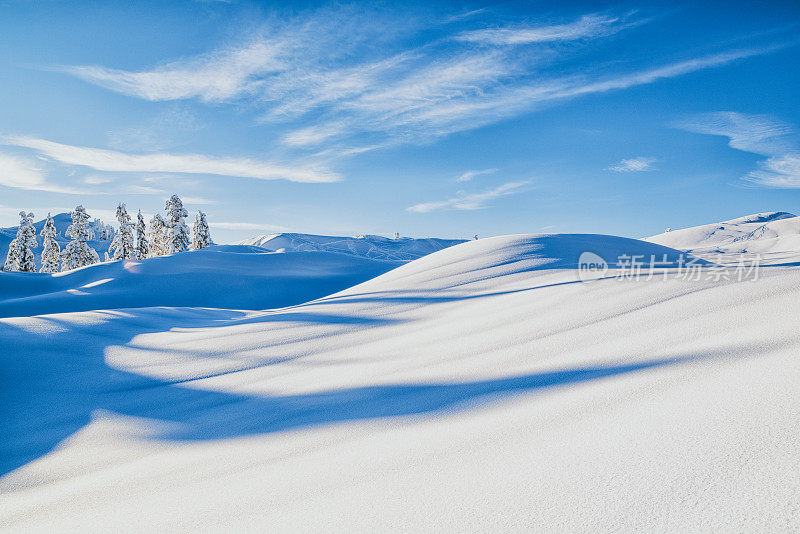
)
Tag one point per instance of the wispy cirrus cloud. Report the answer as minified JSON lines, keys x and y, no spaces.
{"x":470,"y":201}
{"x":470,"y":93}
{"x":758,"y":134}
{"x":115,"y":161}
{"x":230,"y":225}
{"x":588,"y":26}
{"x":639,"y":164}
{"x":321,"y":76}
{"x":469,"y":175}
{"x":23,"y":173}
{"x":214,"y":77}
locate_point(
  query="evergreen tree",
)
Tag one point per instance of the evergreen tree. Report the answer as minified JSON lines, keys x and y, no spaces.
{"x":20,"y":250}
{"x":142,"y":250}
{"x":78,"y":253}
{"x":12,"y":258}
{"x":122,"y":246}
{"x":178,"y":233}
{"x":51,"y":253}
{"x":201,"y":237}
{"x":157,"y":237}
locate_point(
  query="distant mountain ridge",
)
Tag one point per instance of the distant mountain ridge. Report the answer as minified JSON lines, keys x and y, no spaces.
{"x":366,"y":246}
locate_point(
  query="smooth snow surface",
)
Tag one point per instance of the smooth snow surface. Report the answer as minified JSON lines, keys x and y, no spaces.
{"x":480,"y":388}
{"x":771,"y":235}
{"x":226,"y":276}
{"x":368,"y":246}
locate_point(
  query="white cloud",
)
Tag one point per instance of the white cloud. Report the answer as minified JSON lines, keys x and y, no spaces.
{"x":225,"y":225}
{"x":96,"y":179}
{"x":114,"y":161}
{"x":778,"y":171}
{"x":199,"y":200}
{"x":212,"y":78}
{"x":322,"y":74}
{"x":469,"y":175}
{"x":471,"y":201}
{"x":144,"y":190}
{"x":466,"y":93}
{"x":758,"y":134}
{"x":639,"y":164}
{"x":21,"y":173}
{"x":588,"y":26}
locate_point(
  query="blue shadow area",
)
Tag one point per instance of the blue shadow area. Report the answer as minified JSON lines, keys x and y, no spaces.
{"x":50,"y":389}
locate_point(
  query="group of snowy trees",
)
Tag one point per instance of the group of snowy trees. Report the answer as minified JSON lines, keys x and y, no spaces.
{"x":165,"y":236}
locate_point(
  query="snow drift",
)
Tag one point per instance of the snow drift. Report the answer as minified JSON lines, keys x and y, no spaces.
{"x":769,"y":233}
{"x":237,"y":277}
{"x":482,"y":387}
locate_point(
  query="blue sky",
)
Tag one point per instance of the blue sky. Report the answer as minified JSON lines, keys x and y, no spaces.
{"x":429,"y":119}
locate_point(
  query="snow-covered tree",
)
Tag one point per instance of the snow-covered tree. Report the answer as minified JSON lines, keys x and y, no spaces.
{"x":142,"y":250}
{"x":78,"y":253}
{"x":122,"y":247}
{"x":178,"y":233}
{"x":20,"y":250}
{"x":12,"y":258}
{"x":51,"y":253}
{"x":157,"y":236}
{"x":201,"y":237}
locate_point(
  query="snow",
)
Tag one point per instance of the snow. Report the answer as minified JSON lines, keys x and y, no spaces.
{"x":481,"y":387}
{"x":368,"y":246}
{"x":62,"y":221}
{"x":235,"y":277}
{"x":772,"y":234}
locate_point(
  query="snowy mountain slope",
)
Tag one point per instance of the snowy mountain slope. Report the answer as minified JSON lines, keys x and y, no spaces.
{"x":217,"y":277}
{"x":770,"y":233}
{"x":62,"y":222}
{"x":368,"y":246}
{"x":482,"y":387}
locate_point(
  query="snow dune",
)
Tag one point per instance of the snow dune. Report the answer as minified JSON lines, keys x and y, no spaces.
{"x":772,"y":234}
{"x":482,"y":387}
{"x":225,"y":276}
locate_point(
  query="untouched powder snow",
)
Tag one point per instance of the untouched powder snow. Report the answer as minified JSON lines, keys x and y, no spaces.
{"x":368,"y":246}
{"x":227,"y":276}
{"x":772,"y":235}
{"x":480,"y":388}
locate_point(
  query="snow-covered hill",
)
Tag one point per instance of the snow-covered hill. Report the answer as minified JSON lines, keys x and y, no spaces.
{"x":367,"y":246}
{"x":770,"y":234}
{"x":226,"y":276}
{"x":482,"y":387}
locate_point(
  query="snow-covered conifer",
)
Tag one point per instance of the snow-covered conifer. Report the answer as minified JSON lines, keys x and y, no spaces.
{"x":178,"y":233}
{"x":201,"y":237}
{"x":12,"y":258}
{"x":78,"y":253}
{"x":20,"y":250}
{"x":122,"y":247}
{"x":51,"y":253}
{"x":142,"y":250}
{"x":157,"y":237}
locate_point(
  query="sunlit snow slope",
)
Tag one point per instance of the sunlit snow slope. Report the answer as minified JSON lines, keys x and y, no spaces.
{"x":480,"y":388}
{"x":772,"y":235}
